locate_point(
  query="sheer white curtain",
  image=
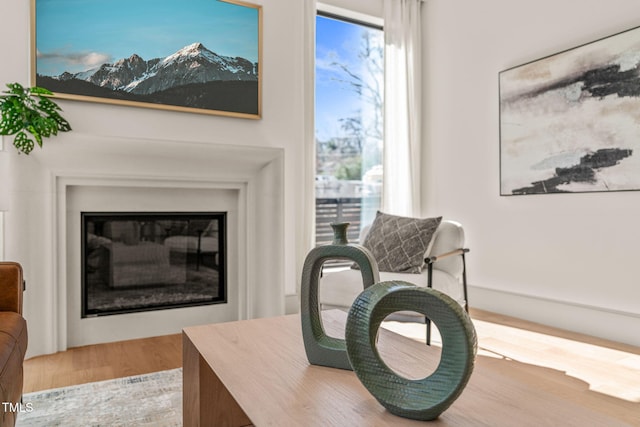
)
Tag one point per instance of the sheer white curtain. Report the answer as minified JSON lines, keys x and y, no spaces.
{"x":402,"y":107}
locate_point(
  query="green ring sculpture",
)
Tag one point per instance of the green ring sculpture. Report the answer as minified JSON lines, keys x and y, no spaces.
{"x":423,"y":399}
{"x":322,"y":349}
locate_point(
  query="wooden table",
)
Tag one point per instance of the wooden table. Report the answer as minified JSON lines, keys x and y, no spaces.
{"x":255,"y":372}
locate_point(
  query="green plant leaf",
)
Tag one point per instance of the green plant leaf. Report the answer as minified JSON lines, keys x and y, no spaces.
{"x":41,"y":91}
{"x":63,"y":124}
{"x":39,"y":126}
{"x":10,"y":121}
{"x":47,"y":105}
{"x":15,"y":88}
{"x":23,"y":143}
{"x":30,"y":110}
{"x":36,"y":134}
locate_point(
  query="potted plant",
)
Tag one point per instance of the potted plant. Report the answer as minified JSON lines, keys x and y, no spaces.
{"x":31,"y":115}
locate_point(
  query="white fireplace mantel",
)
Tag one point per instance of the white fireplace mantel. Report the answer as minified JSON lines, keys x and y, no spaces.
{"x":36,"y":221}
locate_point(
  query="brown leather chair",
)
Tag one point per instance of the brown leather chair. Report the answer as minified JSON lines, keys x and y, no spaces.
{"x":13,"y":341}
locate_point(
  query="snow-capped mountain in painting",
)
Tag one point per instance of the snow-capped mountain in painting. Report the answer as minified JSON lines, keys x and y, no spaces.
{"x":191,"y":64}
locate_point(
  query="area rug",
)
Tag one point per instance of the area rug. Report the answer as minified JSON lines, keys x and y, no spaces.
{"x":142,"y":400}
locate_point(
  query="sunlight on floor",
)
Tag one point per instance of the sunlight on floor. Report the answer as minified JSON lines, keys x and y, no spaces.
{"x":608,"y":371}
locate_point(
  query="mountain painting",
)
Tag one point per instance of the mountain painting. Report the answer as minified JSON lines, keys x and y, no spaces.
{"x":199,"y":56}
{"x":570,"y":122}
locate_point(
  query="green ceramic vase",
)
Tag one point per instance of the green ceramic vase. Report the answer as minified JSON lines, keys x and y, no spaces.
{"x":423,"y":399}
{"x":322,"y":349}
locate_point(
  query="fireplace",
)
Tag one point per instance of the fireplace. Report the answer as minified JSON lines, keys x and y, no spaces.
{"x":89,"y":173}
{"x":144,"y":261}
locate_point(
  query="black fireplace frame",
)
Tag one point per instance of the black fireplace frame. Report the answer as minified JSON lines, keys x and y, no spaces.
{"x":220,"y":217}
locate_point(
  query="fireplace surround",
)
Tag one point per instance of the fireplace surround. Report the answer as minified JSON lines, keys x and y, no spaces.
{"x":96,"y":174}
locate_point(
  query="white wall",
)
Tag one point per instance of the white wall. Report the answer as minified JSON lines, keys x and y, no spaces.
{"x":558,"y":259}
{"x":282,"y":126}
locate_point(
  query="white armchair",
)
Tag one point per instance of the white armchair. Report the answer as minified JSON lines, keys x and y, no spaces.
{"x":445,"y":270}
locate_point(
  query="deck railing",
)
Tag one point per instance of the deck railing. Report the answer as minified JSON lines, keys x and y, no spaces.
{"x":340,"y":209}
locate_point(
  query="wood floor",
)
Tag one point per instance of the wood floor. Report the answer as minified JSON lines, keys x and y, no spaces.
{"x":586,"y":370}
{"x":102,"y":362}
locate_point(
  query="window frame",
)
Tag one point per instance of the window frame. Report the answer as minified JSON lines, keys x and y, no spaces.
{"x":352,"y":17}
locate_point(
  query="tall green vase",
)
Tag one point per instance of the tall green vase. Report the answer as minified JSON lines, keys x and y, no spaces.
{"x":322,"y":349}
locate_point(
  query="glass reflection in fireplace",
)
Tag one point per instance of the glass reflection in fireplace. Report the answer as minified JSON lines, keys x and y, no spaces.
{"x":140,"y":261}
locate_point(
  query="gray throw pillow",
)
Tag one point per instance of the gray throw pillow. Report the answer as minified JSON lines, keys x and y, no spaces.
{"x":399,"y":243}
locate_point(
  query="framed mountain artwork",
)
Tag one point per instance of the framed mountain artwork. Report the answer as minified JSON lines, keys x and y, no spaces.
{"x":200,"y":56}
{"x":569,"y":123}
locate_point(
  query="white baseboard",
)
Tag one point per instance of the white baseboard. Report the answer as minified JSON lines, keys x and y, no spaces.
{"x":615,"y":325}
{"x":600,"y":322}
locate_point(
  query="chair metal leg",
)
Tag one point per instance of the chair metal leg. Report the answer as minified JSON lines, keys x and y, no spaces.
{"x":427,"y":321}
{"x":464,"y":282}
{"x":430,"y":262}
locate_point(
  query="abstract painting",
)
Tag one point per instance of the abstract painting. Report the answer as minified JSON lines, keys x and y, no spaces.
{"x":570,"y":122}
{"x":198,"y":56}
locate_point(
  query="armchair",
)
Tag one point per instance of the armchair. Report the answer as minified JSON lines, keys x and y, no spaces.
{"x":445,"y":270}
{"x":13,"y":341}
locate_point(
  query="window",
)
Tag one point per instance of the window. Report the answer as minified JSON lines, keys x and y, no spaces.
{"x":349,"y":123}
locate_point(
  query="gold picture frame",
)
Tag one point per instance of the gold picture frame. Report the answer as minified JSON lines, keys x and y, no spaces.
{"x":199,"y":56}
